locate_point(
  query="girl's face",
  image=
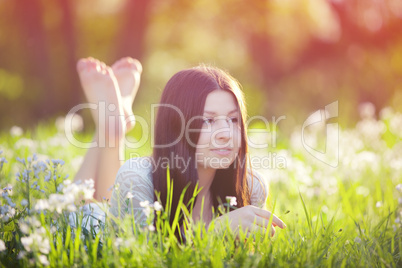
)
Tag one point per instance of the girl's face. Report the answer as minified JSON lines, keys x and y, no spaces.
{"x":220,"y":137}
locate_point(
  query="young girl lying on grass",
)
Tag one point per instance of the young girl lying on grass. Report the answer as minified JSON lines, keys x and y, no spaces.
{"x":200,"y":137}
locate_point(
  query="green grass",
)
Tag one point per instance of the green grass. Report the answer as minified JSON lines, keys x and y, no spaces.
{"x":335,"y":217}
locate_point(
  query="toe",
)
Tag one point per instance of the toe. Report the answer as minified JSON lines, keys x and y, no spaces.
{"x":103,"y":67}
{"x":82,"y":64}
{"x":127,"y":62}
{"x":119,"y":64}
{"x":137,"y":65}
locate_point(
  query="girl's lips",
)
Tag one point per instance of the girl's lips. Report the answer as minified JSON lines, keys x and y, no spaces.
{"x":222,"y":151}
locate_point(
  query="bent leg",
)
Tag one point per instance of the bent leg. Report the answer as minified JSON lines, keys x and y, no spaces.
{"x":114,"y":96}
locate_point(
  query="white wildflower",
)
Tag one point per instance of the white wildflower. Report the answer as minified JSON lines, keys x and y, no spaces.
{"x":16,"y":131}
{"x":44,"y":246}
{"x":88,"y":193}
{"x":75,"y":191}
{"x":144,"y":204}
{"x":43,"y":260}
{"x":151,"y":228}
{"x":378,"y":204}
{"x":71,"y":207}
{"x":367,"y":110}
{"x":27,"y":242}
{"x":89,"y":183}
{"x":42,"y":204}
{"x":36,"y":242}
{"x":74,"y":123}
{"x":147,"y":211}
{"x":24,"y":228}
{"x":157,"y":206}
{"x":117,"y":186}
{"x":231,"y":200}
{"x":12,"y":212}
{"x":2,"y":245}
{"x":21,"y":255}
{"x":129,"y":195}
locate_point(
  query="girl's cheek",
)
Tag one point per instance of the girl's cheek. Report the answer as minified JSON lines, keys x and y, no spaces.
{"x":204,"y":140}
{"x":237,"y":137}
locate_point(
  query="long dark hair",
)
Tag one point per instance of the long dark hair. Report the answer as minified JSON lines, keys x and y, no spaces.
{"x":187,"y":91}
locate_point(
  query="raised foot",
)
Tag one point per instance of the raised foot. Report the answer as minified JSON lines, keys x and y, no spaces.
{"x":101,"y":89}
{"x":128,"y":75}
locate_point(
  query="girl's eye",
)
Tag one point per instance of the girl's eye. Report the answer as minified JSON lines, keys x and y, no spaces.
{"x":233,"y":120}
{"x":208,"y":121}
{"x":211,"y":121}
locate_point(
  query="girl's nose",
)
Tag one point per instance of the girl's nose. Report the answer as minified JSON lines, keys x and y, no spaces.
{"x":223,"y":129}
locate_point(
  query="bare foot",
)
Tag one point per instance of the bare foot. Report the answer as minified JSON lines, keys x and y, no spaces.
{"x":128,"y":72}
{"x":101,"y":88}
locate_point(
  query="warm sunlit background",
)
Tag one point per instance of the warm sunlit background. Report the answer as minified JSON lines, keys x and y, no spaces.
{"x":291,"y":56}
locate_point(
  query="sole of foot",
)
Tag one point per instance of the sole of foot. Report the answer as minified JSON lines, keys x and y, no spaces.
{"x":128,"y":75}
{"x":101,"y":90}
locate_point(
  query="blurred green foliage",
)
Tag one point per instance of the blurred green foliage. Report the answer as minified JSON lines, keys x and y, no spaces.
{"x":292,"y":57}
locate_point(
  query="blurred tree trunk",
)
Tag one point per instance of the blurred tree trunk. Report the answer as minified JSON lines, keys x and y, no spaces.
{"x":67,"y":29}
{"x":131,"y":36}
{"x":270,"y":65}
{"x":29,"y":14}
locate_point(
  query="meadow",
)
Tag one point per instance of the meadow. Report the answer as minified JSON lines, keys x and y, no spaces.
{"x":344,"y":216}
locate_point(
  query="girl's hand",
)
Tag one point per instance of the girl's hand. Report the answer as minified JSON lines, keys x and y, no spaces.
{"x":250,"y":218}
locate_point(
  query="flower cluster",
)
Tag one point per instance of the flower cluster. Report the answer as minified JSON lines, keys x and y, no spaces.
{"x":148,"y":211}
{"x":7,"y":206}
{"x":36,"y":242}
{"x":72,"y":193}
{"x":373,"y":146}
{"x":45,"y":195}
{"x":2,"y":161}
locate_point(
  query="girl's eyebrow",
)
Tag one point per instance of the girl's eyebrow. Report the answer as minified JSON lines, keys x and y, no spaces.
{"x":213,"y":113}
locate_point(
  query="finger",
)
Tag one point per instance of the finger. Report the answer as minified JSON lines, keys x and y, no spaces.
{"x":262,"y":222}
{"x":272,"y":231}
{"x":266,"y":214}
